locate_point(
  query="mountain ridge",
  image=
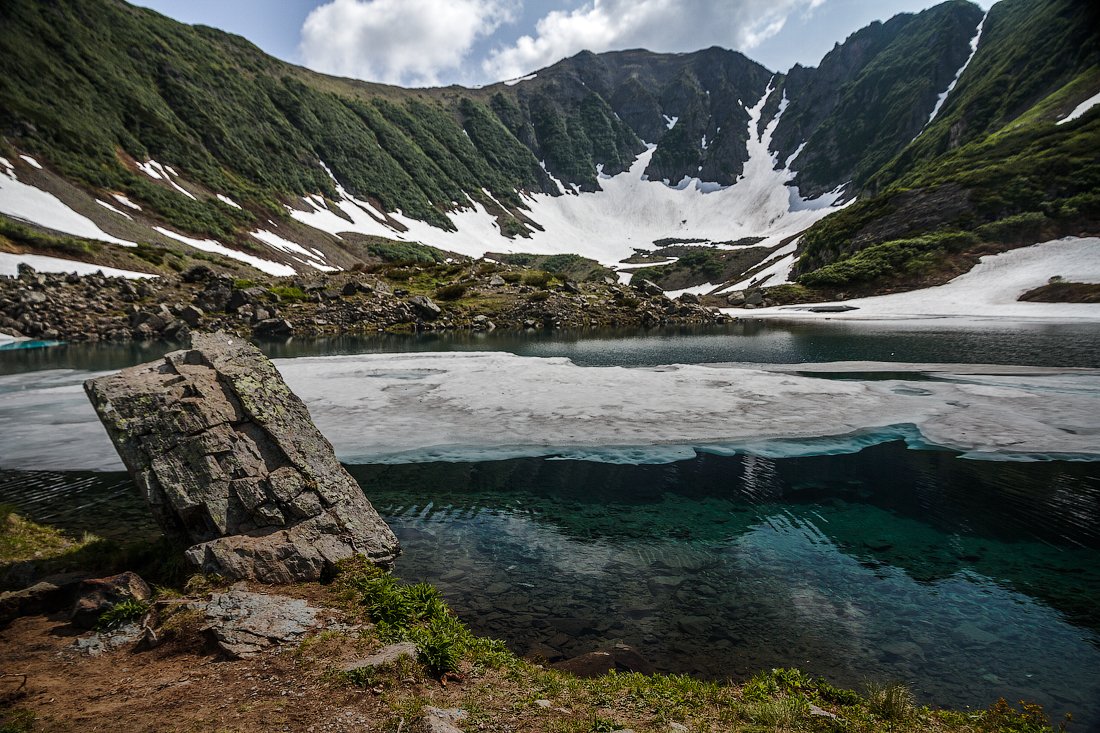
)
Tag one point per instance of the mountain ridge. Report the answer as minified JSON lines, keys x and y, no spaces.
{"x":284,"y":144}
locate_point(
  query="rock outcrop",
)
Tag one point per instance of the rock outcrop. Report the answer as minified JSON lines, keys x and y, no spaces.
{"x":229,"y":461}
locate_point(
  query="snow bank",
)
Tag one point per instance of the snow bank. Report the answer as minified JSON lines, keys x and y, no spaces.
{"x":628,"y":212}
{"x":1080,"y":109}
{"x":295,"y":250}
{"x":988,"y":292}
{"x":9,"y":265}
{"x":113,"y":208}
{"x":513,"y":82}
{"x":30,"y":204}
{"x":159,"y":172}
{"x":406,"y":407}
{"x":209,"y":245}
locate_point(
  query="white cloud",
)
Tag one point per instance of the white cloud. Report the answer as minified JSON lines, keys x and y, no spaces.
{"x":657,"y":25}
{"x":410,"y":42}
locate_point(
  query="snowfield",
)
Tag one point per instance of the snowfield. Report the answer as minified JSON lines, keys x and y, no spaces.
{"x":987,"y":292}
{"x":9,"y":265}
{"x":23,"y":201}
{"x":628,"y":212}
{"x":436,"y":406}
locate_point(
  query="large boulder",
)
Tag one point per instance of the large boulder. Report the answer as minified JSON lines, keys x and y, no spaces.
{"x":229,"y":461}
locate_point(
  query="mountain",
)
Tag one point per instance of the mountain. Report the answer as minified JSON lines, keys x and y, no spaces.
{"x":1006,"y":161}
{"x":121,"y":127}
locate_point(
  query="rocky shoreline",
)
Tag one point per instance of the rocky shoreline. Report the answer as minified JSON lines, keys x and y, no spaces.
{"x":99,"y":308}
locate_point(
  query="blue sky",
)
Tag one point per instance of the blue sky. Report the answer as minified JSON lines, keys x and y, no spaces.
{"x":429,"y":42}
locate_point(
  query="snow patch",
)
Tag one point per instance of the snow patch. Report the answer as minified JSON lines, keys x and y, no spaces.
{"x":109,"y":207}
{"x":159,"y":172}
{"x":313,"y":259}
{"x":986,"y":294}
{"x":30,"y":204}
{"x":1080,"y":109}
{"x":670,"y":122}
{"x":513,"y":82}
{"x":950,"y":87}
{"x":31,"y":162}
{"x":209,"y":245}
{"x":9,"y":265}
{"x":125,"y":201}
{"x":228,"y":201}
{"x":628,"y":212}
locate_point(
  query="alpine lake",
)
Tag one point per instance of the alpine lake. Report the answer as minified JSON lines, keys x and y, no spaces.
{"x":968,"y":580}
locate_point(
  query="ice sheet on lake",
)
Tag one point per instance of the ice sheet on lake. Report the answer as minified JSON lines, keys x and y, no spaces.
{"x":438,"y":406}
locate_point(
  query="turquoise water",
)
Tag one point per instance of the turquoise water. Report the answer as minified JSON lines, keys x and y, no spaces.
{"x":968,"y":580}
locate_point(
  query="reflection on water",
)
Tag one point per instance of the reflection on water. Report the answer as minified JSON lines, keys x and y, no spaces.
{"x":779,"y":343}
{"x":968,"y":580}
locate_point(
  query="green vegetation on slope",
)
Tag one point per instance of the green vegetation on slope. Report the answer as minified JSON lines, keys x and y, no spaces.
{"x":993,"y":164}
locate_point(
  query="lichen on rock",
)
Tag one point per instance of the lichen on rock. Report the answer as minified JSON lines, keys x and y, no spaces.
{"x":228,"y":460}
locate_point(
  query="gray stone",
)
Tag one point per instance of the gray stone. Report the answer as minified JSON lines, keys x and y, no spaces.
{"x":97,"y":595}
{"x":386,"y":655}
{"x":440,"y":720}
{"x":228,"y":461}
{"x":49,"y":594}
{"x":754,"y":297}
{"x":190,"y":314}
{"x":273,"y":327}
{"x":646,"y":286}
{"x":689,"y":298}
{"x":245,"y":624}
{"x":496,"y":281}
{"x":821,"y":712}
{"x":424,"y":307}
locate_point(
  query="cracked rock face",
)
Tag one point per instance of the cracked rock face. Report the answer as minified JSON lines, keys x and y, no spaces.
{"x":229,"y":460}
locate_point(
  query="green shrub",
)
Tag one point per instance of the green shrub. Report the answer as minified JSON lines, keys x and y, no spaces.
{"x":512,"y":276}
{"x":291,"y":293}
{"x":539,"y":296}
{"x":892,"y":701}
{"x":895,"y":258}
{"x":406,"y":253}
{"x":537,"y":278}
{"x":415,"y":613}
{"x":121,"y":614}
{"x":243,"y":284}
{"x":1003,"y":718}
{"x":454,"y":291}
{"x":1023,"y":228}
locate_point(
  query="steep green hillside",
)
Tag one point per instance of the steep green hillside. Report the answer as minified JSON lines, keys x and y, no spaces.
{"x":994,"y":169}
{"x":93,"y":87}
{"x":872,"y":95}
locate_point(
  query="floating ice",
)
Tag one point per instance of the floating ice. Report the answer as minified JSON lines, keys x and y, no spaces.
{"x":427,"y":407}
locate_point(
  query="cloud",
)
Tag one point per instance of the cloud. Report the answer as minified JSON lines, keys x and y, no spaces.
{"x":657,"y":25}
{"x":411,"y":42}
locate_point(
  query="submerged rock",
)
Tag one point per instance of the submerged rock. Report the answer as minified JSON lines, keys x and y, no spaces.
{"x":229,"y":461}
